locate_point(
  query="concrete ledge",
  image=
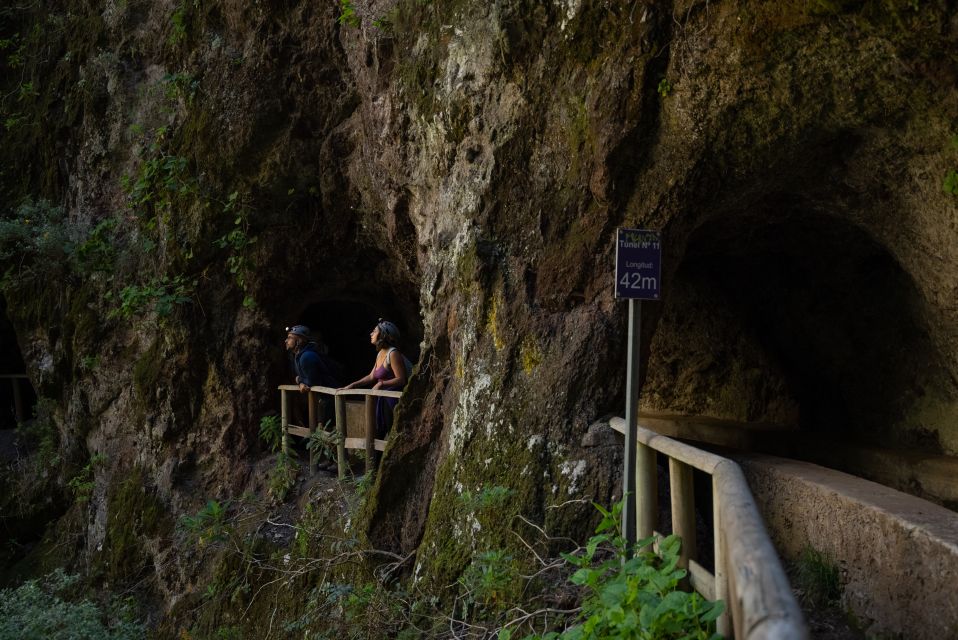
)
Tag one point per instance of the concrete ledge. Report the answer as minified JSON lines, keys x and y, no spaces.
{"x":898,"y":554}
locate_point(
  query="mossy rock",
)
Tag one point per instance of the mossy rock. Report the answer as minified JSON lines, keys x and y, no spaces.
{"x":135,"y":513}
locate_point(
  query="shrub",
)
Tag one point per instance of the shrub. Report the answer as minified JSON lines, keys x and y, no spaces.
{"x":635,"y":597}
{"x":82,"y":483}
{"x":271,"y":432}
{"x":160,"y":296}
{"x":282,"y":476}
{"x":210,"y":525}
{"x":817,"y":578}
{"x":950,"y":184}
{"x":38,"y":610}
{"x":38,"y":238}
{"x":35,"y":233}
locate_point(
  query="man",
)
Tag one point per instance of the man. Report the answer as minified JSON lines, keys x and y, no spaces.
{"x":311,"y":366}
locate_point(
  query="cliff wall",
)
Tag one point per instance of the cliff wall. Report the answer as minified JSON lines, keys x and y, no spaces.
{"x":183,"y":179}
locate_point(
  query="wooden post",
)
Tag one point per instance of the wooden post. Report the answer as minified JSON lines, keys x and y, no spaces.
{"x":18,"y":401}
{"x":647,"y":494}
{"x":721,"y":581}
{"x":312,"y":428}
{"x":284,"y":412}
{"x":683,"y":509}
{"x":341,"y":428}
{"x":370,"y":432}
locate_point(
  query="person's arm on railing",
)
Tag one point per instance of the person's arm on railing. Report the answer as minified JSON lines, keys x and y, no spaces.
{"x":309,"y":363}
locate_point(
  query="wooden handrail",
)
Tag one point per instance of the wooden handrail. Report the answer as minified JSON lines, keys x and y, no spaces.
{"x":748,"y":574}
{"x":330,"y":391}
{"x":368,"y":442}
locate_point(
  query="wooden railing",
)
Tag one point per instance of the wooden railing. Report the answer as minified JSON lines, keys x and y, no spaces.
{"x":367,"y":442}
{"x":18,"y":409}
{"x":748,"y":575}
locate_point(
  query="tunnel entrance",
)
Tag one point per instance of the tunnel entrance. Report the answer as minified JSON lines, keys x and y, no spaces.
{"x":345,"y":326}
{"x":788,"y":313}
{"x":17,"y":396}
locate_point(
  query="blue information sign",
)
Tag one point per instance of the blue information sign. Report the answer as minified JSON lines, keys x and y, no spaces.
{"x":638,"y":264}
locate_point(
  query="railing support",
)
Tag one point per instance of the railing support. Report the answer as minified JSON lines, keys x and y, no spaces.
{"x":647,"y":492}
{"x":284,"y":412}
{"x":722,"y":625}
{"x":370,"y":433}
{"x":683,"y":509}
{"x":312,"y":428}
{"x":341,"y":428}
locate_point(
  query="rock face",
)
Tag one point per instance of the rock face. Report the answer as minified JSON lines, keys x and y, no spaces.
{"x":461,"y":167}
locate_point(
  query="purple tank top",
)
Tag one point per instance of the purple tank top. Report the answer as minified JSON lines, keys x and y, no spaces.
{"x":381,"y":373}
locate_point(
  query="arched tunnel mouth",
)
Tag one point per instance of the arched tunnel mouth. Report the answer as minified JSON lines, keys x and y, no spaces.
{"x":813,"y":323}
{"x":344,"y":327}
{"x":17,"y":395}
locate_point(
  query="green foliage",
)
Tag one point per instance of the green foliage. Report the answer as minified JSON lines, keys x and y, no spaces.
{"x":238,"y":241}
{"x":160,"y":295}
{"x":635,"y":597}
{"x":491,"y":580}
{"x":347,"y":14}
{"x":38,"y":240}
{"x":324,"y":441}
{"x":950,"y":184}
{"x":490,"y":497}
{"x":42,"y":434}
{"x":26,"y":91}
{"x":210,"y":525}
{"x":181,"y":86}
{"x":271,"y":432}
{"x":14,"y":121}
{"x":17,"y":46}
{"x":40,"y":610}
{"x":664,"y":88}
{"x":162,"y":179}
{"x":282,"y":476}
{"x":36,"y":233}
{"x":135,"y":515}
{"x":179,"y":23}
{"x":97,"y":251}
{"x":228,"y":633}
{"x":353,"y":612}
{"x":817,"y":577}
{"x":363,"y":484}
{"x":81,"y":485}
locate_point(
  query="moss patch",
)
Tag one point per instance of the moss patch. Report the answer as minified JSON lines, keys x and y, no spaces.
{"x":148,"y":371}
{"x":134,"y":513}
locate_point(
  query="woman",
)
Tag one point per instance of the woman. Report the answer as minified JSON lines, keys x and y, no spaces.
{"x":390,"y":372}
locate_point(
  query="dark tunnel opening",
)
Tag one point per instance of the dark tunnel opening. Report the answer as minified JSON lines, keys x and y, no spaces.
{"x":17,"y":396}
{"x":344,"y":327}
{"x":831,"y":307}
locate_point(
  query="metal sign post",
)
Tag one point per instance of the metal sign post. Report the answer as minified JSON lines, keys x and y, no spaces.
{"x":638,"y":265}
